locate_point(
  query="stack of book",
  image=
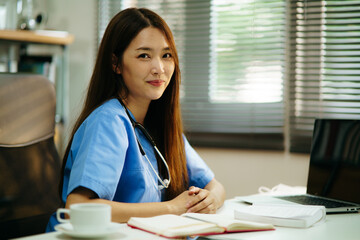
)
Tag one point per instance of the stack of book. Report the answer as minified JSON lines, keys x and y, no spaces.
{"x":298,"y":216}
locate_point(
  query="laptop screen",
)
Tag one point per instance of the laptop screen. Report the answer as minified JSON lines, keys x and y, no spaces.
{"x":334,"y":169}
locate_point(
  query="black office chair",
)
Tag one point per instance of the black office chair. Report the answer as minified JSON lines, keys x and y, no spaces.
{"x":29,"y":162}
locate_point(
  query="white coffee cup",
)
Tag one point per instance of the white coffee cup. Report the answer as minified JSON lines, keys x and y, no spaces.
{"x":87,"y":217}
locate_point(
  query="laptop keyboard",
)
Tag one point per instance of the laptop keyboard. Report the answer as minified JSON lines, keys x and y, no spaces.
{"x":307,"y":200}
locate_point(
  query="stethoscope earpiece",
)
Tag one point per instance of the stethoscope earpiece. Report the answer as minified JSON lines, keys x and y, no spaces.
{"x":165,"y":184}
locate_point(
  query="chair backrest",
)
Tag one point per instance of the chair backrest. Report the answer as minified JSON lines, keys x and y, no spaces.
{"x":29,"y":162}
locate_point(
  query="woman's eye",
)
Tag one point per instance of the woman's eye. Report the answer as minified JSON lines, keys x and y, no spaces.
{"x":167,"y":55}
{"x":144,"y":55}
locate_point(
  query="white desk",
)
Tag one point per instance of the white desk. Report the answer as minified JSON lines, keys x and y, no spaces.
{"x":336,"y":227}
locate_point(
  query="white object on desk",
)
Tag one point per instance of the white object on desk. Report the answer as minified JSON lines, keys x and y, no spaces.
{"x":87,"y":217}
{"x":282,"y":189}
{"x":67,"y":229}
{"x":265,"y":195}
{"x":283,"y":215}
{"x":188,"y":224}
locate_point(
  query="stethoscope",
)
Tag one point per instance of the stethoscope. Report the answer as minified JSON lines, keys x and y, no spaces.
{"x":164,"y":183}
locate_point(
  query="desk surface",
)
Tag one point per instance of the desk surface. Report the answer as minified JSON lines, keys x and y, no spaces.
{"x":40,"y":36}
{"x":337,"y":226}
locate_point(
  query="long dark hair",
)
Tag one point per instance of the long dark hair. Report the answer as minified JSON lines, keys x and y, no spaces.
{"x":105,"y":84}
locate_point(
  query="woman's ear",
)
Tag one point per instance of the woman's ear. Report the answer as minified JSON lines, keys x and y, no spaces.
{"x":115,"y":64}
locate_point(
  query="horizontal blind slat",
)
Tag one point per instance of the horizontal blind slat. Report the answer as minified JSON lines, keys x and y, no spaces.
{"x":324,"y":81}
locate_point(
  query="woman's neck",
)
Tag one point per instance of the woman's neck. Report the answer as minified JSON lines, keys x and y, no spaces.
{"x":138,"y":109}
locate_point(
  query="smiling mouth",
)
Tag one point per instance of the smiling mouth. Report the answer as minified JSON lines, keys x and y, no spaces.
{"x":156,"y":83}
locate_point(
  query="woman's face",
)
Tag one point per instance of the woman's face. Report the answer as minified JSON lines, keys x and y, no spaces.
{"x":147,"y":66}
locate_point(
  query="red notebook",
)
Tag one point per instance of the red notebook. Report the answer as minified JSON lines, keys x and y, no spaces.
{"x":194,"y":224}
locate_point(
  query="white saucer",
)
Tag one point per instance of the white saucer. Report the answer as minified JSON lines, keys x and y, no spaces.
{"x":67,"y":229}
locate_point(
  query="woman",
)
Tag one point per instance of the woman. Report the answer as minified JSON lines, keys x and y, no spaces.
{"x":109,"y":158}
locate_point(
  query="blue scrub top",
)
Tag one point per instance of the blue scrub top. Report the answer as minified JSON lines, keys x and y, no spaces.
{"x":106,"y":158}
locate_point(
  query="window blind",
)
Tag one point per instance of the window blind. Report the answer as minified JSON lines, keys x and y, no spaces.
{"x":233,"y":77}
{"x":232,"y":63}
{"x":324,"y":71}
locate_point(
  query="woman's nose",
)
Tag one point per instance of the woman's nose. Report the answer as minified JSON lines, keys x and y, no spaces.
{"x":157,"y":67}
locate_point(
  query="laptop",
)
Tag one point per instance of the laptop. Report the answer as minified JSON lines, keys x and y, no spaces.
{"x":334,"y":170}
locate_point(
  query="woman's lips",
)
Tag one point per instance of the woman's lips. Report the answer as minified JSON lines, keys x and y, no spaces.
{"x":156,"y":83}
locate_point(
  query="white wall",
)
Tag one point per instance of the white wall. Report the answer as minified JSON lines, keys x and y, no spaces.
{"x":240,"y":171}
{"x":78,"y":17}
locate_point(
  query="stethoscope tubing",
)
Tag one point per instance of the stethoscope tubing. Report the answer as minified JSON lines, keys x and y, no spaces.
{"x":166,"y":182}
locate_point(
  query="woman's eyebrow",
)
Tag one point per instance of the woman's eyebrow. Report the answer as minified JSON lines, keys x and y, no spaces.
{"x":143,"y":49}
{"x":150,"y":49}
